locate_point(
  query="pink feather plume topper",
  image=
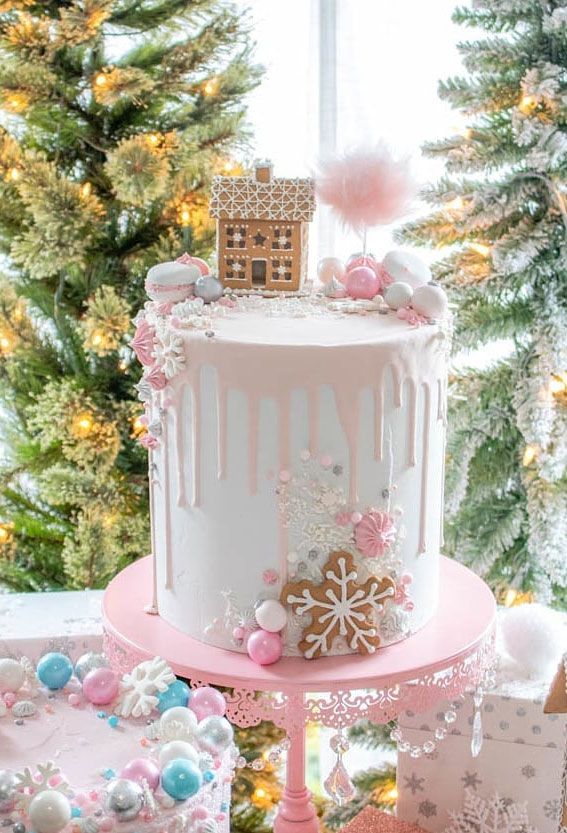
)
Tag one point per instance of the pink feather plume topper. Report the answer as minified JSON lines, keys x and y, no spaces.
{"x":366,"y":187}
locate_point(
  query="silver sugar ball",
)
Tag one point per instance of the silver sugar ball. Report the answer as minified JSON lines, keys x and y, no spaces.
{"x":208,"y":288}
{"x":88,"y":662}
{"x":8,"y":789}
{"x":19,"y":827}
{"x":124,"y":798}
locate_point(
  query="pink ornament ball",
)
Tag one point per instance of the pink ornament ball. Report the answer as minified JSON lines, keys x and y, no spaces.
{"x":362,"y":282}
{"x":264,"y":648}
{"x":142,"y":769}
{"x":329,"y":268}
{"x":101,"y":686}
{"x":206,"y":702}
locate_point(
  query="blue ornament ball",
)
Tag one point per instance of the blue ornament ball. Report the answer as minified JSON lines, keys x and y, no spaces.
{"x":54,"y":671}
{"x":176,"y":694}
{"x":181,"y":779}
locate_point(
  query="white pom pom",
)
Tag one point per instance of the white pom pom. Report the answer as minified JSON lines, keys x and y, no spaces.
{"x":531,"y":634}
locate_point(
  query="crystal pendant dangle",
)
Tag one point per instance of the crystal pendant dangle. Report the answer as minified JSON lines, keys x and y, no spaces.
{"x":477,"y":737}
{"x":338,"y":785}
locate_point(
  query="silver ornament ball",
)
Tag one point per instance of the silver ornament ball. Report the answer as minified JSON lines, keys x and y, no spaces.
{"x":124,"y":798}
{"x":208,"y":288}
{"x":215,"y":734}
{"x":8,"y":789}
{"x":88,"y":662}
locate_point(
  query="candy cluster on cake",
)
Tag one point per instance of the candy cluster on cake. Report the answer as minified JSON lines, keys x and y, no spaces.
{"x":295,"y":432}
{"x":84,"y":750}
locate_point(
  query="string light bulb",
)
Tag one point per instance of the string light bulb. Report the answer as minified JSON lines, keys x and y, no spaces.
{"x":513,"y":597}
{"x":100,"y":79}
{"x":14,"y":174}
{"x":211,"y":87}
{"x":123,"y":365}
{"x":527,"y":103}
{"x":7,"y":342}
{"x":480,"y":248}
{"x":456,"y":205}
{"x":184,"y":215}
{"x":6,"y":533}
{"x":154,"y":139}
{"x":530,"y":453}
{"x":558,"y":384}
{"x":138,"y":426}
{"x":86,"y":190}
{"x":82,"y":424}
{"x":390,"y":795}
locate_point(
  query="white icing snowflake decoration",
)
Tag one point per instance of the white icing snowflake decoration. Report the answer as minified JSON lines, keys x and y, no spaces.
{"x":46,"y":777}
{"x":492,"y":815}
{"x":169,"y":352}
{"x":138,"y":689}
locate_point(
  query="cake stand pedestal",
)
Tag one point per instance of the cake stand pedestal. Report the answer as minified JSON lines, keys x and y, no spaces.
{"x":445,"y":658}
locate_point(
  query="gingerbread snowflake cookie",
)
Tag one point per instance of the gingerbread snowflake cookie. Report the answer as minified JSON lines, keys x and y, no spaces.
{"x":339,"y":606}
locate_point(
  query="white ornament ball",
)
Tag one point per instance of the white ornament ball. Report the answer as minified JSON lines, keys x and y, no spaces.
{"x":12,"y":675}
{"x":531,"y":634}
{"x":8,"y":790}
{"x":49,"y":812}
{"x":209,"y":288}
{"x":271,"y":616}
{"x":171,"y":281}
{"x":430,"y":301}
{"x":177,"y":749}
{"x":406,"y":268}
{"x":215,"y":734}
{"x":88,"y":662}
{"x":398,"y":295}
{"x":178,"y":723}
{"x":329,"y":268}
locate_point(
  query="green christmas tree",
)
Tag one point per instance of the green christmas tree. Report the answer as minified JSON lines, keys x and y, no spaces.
{"x":115,"y":114}
{"x":500,"y":213}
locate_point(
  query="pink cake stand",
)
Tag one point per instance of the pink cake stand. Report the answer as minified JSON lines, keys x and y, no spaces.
{"x":448,"y":656}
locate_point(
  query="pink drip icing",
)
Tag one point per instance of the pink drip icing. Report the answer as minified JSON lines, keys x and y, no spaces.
{"x":275,"y":371}
{"x":197,"y":425}
{"x":253,"y":425}
{"x":313,"y":408}
{"x":178,"y":413}
{"x":222,"y":428}
{"x":167,"y":508}
{"x":412,"y":424}
{"x":425,"y":467}
{"x":379,"y":420}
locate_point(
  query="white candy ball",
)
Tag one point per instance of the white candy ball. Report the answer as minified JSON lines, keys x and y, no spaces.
{"x":12,"y":675}
{"x":398,"y":295}
{"x":49,"y":812}
{"x":271,"y":616}
{"x":532,"y":635}
{"x":177,"y":749}
{"x":329,"y":268}
{"x":406,"y":268}
{"x":178,"y":723}
{"x":430,"y":301}
{"x":171,"y":281}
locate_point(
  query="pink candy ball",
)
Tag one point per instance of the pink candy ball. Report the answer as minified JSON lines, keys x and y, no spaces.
{"x":74,"y":700}
{"x":362,"y":282}
{"x":264,"y":648}
{"x":200,"y":813}
{"x":142,"y":769}
{"x":101,"y":686}
{"x":206,"y":702}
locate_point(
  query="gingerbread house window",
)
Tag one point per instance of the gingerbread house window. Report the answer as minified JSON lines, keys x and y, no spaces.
{"x":262,"y":214}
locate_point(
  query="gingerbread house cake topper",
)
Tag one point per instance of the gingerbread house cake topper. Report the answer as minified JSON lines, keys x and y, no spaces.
{"x":262,"y":229}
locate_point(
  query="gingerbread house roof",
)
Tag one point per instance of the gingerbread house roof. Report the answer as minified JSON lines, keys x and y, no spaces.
{"x":243,"y":197}
{"x":556,"y":702}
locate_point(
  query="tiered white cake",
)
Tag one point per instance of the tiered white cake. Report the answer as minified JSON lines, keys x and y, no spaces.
{"x":296,"y":462}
